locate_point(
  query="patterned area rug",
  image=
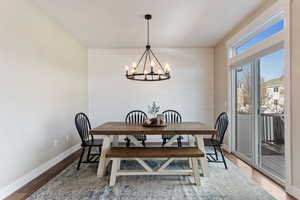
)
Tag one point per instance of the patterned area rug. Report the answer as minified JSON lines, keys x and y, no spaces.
{"x":222,"y":184}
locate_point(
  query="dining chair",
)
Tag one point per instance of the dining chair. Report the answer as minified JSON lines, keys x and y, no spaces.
{"x":83,"y":127}
{"x":172,"y":116}
{"x":136,"y":117}
{"x":216,"y":141}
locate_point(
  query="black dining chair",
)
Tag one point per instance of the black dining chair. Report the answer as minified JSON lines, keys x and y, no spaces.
{"x":83,"y":127}
{"x":216,"y":141}
{"x":136,"y":117}
{"x":172,"y":116}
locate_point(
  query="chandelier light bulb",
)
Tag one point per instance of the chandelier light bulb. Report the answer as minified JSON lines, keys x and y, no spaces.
{"x":134,"y":65}
{"x":152,"y":63}
{"x":126,"y":68}
{"x":167,"y":67}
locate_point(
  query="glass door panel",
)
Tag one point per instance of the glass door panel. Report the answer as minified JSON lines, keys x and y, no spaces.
{"x":271,"y":113}
{"x":244,"y":111}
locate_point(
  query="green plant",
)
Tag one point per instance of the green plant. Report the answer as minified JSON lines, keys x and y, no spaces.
{"x":154,"y":109}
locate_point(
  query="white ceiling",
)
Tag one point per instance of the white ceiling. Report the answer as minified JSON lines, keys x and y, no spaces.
{"x":175,"y":23}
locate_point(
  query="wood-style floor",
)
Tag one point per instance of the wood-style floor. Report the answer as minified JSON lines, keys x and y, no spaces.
{"x":273,"y":188}
{"x":41,"y":180}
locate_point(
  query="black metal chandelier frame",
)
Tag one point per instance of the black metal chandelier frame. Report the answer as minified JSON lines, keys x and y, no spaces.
{"x":148,"y":56}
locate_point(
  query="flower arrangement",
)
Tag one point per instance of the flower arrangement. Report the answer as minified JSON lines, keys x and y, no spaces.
{"x":154,"y":109}
{"x":157,"y":120}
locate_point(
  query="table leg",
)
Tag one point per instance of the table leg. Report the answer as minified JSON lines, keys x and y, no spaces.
{"x":103,"y":160}
{"x":191,"y":143}
{"x":203,"y":160}
{"x":115,"y":141}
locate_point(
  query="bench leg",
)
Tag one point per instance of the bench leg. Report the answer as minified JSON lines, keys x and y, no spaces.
{"x":191,"y":141}
{"x":103,"y":160}
{"x":196,"y":171}
{"x":114,"y":169}
{"x":203,"y":160}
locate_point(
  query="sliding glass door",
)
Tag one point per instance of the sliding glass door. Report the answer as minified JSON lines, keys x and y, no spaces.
{"x":271,"y":113}
{"x":244,"y":111}
{"x":259,"y":112}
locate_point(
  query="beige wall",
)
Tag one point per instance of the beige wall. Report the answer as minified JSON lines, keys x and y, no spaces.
{"x":43,"y":82}
{"x":221,"y":73}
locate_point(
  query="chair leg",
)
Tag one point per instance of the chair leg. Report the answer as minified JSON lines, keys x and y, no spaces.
{"x":216,"y":153}
{"x":143,"y":143}
{"x":89,"y":153}
{"x":80,"y":159}
{"x":127,"y":142}
{"x":224,"y":161}
{"x":179,"y":143}
{"x":164,"y":141}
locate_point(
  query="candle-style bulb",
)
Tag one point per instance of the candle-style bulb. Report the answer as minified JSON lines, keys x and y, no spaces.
{"x":152,"y":63}
{"x":134,"y":65}
{"x":167,"y":67}
{"x":126,"y":68}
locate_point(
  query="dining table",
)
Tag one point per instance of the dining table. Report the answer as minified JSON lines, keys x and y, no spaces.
{"x":111,"y":131}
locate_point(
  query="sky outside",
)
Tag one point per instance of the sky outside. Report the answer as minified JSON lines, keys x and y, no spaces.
{"x":272,"y":65}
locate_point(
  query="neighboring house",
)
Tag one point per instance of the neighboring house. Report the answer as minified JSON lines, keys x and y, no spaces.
{"x":272,"y":92}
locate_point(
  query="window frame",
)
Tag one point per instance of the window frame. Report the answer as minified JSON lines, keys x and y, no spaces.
{"x":268,"y":24}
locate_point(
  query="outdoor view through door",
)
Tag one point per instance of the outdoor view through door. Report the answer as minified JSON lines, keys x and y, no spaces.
{"x":244,"y":111}
{"x":259,"y":89}
{"x":271,"y":113}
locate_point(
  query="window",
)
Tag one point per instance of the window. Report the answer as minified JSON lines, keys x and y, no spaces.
{"x":261,"y":36}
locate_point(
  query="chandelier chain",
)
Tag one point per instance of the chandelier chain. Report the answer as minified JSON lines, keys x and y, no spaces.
{"x":148,"y":40}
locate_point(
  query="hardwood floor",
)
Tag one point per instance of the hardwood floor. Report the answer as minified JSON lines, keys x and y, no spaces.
{"x":273,"y":188}
{"x":41,"y":180}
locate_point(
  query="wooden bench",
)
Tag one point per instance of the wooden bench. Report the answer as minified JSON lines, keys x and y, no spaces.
{"x":116,"y":154}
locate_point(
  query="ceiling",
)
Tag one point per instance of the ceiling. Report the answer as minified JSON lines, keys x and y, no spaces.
{"x":121,"y":24}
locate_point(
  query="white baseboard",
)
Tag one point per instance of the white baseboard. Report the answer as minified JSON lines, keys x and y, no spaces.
{"x":294,"y":191}
{"x":9,"y":189}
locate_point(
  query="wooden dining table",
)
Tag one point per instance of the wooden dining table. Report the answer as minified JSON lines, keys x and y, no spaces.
{"x":111,"y":131}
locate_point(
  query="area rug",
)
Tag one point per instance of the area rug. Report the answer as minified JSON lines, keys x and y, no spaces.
{"x":222,"y":184}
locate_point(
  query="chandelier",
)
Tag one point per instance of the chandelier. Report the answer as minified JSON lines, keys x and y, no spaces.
{"x":148,"y":67}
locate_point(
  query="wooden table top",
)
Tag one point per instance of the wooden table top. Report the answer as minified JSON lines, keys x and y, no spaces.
{"x":184,"y":128}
